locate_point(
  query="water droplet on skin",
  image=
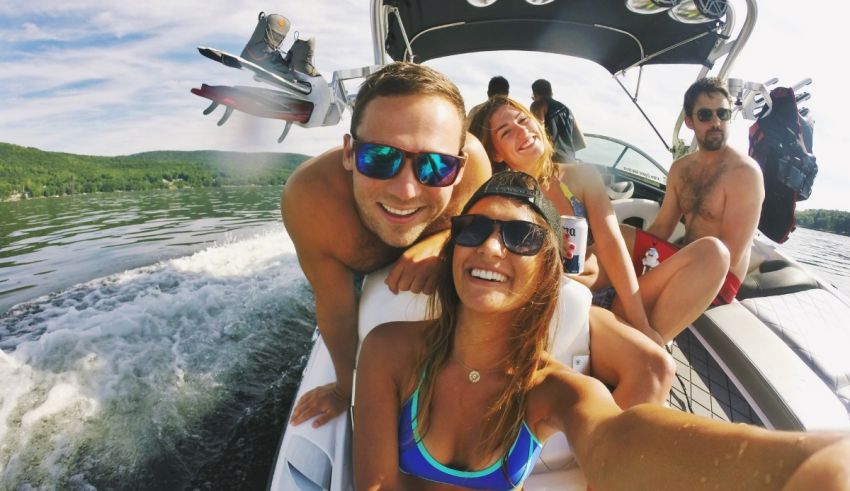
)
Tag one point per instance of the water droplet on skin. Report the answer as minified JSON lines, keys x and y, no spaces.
{"x":767,"y":479}
{"x":716,"y":462}
{"x":742,"y":447}
{"x":703,"y":480}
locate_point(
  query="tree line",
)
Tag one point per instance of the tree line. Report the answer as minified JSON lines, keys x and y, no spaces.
{"x":29,"y":172}
{"x":834,"y":221}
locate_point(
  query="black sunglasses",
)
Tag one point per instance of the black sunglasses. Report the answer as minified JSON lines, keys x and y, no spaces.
{"x":723,"y":114}
{"x":380,"y":161}
{"x":518,"y":236}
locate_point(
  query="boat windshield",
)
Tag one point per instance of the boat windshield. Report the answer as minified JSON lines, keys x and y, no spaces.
{"x":622,"y":157}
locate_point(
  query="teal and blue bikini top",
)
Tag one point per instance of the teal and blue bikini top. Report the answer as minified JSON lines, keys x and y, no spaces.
{"x":507,"y":474}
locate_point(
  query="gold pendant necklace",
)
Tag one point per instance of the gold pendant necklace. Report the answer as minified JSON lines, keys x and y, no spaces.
{"x":474,"y":375}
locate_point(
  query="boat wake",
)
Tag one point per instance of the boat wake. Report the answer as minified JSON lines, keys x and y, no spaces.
{"x":167,"y":376}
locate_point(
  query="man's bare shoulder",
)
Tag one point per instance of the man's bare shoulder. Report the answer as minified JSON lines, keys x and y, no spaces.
{"x":317,"y":173}
{"x":318,"y":205}
{"x":477,"y":169}
{"x":744,"y":172}
{"x":682,"y":163}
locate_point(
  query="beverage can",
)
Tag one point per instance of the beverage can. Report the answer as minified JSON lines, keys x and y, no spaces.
{"x":574,"y":230}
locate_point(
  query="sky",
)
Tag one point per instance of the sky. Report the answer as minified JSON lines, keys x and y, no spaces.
{"x":99,"y":77}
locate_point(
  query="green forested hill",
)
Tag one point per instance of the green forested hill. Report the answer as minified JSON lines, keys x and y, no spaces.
{"x":834,"y":221}
{"x":31,"y":172}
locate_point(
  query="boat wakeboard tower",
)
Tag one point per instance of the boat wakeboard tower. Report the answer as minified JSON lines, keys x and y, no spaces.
{"x":300,"y":94}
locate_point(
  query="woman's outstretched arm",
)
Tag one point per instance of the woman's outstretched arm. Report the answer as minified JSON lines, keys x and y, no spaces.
{"x":652,"y":447}
{"x":659,"y":448}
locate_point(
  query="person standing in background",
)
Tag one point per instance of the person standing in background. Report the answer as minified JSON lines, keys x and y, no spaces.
{"x":498,"y":86}
{"x":559,"y":122}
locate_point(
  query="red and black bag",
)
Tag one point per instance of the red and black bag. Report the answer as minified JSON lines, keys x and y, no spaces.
{"x":781,"y":143}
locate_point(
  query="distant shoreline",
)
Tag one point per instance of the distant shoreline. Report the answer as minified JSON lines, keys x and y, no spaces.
{"x":832,"y":221}
{"x":28,"y":173}
{"x":18,"y":197}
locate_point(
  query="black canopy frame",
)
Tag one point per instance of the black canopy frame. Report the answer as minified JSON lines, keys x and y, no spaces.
{"x":603,"y":31}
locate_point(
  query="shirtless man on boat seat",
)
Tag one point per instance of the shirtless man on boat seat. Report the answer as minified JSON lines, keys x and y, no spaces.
{"x":718,"y":189}
{"x":406,"y":168}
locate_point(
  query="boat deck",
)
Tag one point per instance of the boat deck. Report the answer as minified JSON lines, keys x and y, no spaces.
{"x":703,"y":388}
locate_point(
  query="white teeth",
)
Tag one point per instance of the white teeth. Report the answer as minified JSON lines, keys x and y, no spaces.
{"x":396,"y":211}
{"x":488,"y":275}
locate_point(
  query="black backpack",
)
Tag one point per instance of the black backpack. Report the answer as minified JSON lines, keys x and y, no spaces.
{"x":781,"y":143}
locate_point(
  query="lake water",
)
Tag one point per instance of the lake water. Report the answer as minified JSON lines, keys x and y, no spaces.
{"x":150,"y":341}
{"x":155,"y":340}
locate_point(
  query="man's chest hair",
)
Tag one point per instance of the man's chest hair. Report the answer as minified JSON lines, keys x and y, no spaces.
{"x":700,"y":190}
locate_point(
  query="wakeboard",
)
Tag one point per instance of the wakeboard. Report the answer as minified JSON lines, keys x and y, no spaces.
{"x":298,"y":83}
{"x":264,"y":103}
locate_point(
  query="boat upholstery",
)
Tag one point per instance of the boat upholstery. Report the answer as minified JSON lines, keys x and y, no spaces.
{"x":640,"y":213}
{"x":776,"y":277}
{"x":813,"y":323}
{"x":569,"y":332}
{"x":789,"y":395}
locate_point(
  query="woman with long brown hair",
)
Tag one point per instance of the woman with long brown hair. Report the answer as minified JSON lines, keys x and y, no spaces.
{"x":659,"y":304}
{"x":467,"y":399}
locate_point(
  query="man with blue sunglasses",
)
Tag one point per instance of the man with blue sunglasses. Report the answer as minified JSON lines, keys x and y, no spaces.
{"x":387,"y":195}
{"x":717,"y":189}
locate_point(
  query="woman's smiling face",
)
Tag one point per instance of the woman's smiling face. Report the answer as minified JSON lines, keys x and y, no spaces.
{"x":517,"y":139}
{"x":488,"y":277}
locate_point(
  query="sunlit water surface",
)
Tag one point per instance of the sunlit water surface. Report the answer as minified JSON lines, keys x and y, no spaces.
{"x":166,"y":345}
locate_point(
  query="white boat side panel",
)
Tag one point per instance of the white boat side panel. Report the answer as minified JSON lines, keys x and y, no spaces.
{"x":315,"y":458}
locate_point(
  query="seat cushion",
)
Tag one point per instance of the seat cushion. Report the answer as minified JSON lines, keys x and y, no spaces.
{"x":816,"y":325}
{"x":776,"y":277}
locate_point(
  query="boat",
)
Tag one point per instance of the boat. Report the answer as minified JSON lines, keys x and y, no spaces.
{"x":770,"y":358}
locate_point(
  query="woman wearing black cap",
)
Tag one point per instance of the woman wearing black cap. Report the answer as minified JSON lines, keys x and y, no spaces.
{"x":467,"y":399}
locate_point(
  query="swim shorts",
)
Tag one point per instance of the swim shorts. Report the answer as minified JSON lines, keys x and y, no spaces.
{"x":644,"y":241}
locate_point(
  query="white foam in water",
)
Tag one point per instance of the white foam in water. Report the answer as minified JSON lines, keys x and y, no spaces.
{"x":132,"y":357}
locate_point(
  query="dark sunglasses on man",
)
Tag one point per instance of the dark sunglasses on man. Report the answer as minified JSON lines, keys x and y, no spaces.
{"x":705,"y":114}
{"x":380,"y":161}
{"x":518,"y":236}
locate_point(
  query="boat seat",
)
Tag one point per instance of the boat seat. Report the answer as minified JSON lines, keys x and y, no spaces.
{"x":776,"y":277}
{"x":640,"y":213}
{"x":784,"y":392}
{"x":813,"y":323}
{"x":621,"y":190}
